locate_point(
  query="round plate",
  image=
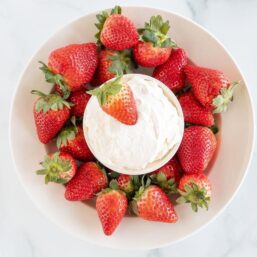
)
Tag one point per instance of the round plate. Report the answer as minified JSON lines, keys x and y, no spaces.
{"x":80,"y":219}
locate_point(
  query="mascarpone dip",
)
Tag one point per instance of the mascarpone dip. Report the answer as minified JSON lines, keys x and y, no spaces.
{"x":134,"y":147}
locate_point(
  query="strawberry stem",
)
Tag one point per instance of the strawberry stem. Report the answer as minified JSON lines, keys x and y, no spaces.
{"x":39,"y":93}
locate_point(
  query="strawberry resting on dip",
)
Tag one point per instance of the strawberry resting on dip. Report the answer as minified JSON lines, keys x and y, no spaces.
{"x":154,"y":132}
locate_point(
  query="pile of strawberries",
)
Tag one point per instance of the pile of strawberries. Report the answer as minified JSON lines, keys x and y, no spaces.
{"x":120,"y":49}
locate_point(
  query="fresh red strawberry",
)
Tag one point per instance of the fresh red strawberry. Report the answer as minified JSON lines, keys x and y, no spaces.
{"x":111,"y":206}
{"x":71,"y":140}
{"x":116,"y":31}
{"x":197,"y":148}
{"x":116,"y":99}
{"x":211,"y":87}
{"x":50,"y":114}
{"x":58,"y":167}
{"x":111,"y":63}
{"x":89,"y":180}
{"x":147,"y":55}
{"x":125,"y":183}
{"x":152,"y":203}
{"x":155,"y":46}
{"x":195,"y":189}
{"x":79,"y":99}
{"x":171,"y":72}
{"x":168,"y":176}
{"x":194,"y":112}
{"x":71,"y":66}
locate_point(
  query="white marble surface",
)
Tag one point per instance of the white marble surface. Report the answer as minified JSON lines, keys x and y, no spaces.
{"x":24,"y":231}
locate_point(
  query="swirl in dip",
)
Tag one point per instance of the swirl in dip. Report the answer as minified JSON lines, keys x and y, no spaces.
{"x":120,"y":146}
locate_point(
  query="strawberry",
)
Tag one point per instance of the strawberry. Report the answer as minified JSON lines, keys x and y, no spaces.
{"x":50,"y":114}
{"x":171,"y":72}
{"x":79,"y":99}
{"x":155,"y":46}
{"x":147,"y":55}
{"x":152,"y":203}
{"x":112,"y":63}
{"x":125,"y":183}
{"x":194,"y":112}
{"x":168,"y":176}
{"x":111,"y":206}
{"x":116,"y":31}
{"x":195,"y":189}
{"x":197,"y":148}
{"x":211,"y":87}
{"x":71,"y":140}
{"x":71,"y":66}
{"x":58,"y":167}
{"x":116,"y":99}
{"x":89,"y":180}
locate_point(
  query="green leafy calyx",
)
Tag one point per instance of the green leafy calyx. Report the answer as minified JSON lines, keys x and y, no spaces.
{"x":121,"y":62}
{"x":58,"y":79}
{"x":107,"y":90}
{"x":145,"y":183}
{"x":195,"y":195}
{"x":168,"y":185}
{"x":114,"y":184}
{"x":67,"y":134}
{"x":225,"y":97}
{"x":52,"y":102}
{"x":54,"y":169}
{"x":156,"y":32}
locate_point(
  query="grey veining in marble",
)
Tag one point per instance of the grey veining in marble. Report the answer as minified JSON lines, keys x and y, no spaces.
{"x":24,"y":231}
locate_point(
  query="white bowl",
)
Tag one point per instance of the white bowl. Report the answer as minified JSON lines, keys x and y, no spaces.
{"x":158,"y":163}
{"x":226,"y":174}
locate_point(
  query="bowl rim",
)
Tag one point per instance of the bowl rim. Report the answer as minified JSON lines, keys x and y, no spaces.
{"x":171,"y":152}
{"x":63,"y":228}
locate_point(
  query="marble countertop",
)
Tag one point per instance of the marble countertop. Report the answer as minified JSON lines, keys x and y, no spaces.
{"x":24,"y":231}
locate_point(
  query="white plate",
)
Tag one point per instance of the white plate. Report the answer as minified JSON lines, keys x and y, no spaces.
{"x":226,"y":174}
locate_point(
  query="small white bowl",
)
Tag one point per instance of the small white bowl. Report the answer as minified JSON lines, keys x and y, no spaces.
{"x":226,"y":172}
{"x":158,"y":163}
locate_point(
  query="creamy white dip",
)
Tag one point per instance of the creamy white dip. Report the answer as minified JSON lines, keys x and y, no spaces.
{"x":134,"y":147}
